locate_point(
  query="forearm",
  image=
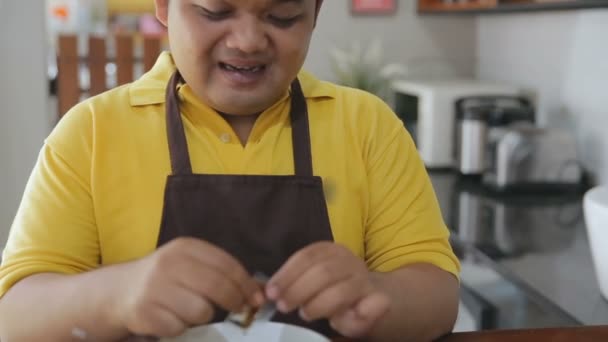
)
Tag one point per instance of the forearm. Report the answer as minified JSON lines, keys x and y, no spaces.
{"x":424,"y":304}
{"x":52,"y":307}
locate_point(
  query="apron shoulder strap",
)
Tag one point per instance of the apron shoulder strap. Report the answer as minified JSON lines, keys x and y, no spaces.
{"x":178,"y":145}
{"x":300,"y":134}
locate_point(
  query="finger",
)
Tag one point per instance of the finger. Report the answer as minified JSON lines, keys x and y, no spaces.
{"x":159,"y":322}
{"x":349,"y":325}
{"x":333,"y":300}
{"x":140,"y":339}
{"x":373,"y":306}
{"x":359,"y":321}
{"x":208,"y":283}
{"x":226,"y":264}
{"x":188,"y":306}
{"x":298,"y":263}
{"x":312,"y":282}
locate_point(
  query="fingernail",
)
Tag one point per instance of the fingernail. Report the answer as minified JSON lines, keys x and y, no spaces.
{"x":258,"y":298}
{"x":80,"y":334}
{"x":303,"y":315}
{"x":282,"y":306}
{"x":273,"y":292}
{"x":333,"y":325}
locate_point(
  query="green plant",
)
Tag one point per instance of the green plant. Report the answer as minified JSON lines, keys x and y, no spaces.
{"x":364,"y":68}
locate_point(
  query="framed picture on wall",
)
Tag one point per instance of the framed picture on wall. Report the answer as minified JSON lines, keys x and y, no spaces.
{"x":373,"y":7}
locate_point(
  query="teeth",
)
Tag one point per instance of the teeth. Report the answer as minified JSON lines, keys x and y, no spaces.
{"x":241,"y":69}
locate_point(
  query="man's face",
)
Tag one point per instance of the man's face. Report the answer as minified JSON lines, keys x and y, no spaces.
{"x":238,"y":56}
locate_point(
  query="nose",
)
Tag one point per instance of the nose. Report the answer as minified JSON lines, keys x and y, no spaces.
{"x":248,"y":36}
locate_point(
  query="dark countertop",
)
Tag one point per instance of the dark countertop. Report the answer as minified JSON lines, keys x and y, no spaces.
{"x":526,"y":254}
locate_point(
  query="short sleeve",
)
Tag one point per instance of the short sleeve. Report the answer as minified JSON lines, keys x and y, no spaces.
{"x":404,"y":225}
{"x":54,"y":230}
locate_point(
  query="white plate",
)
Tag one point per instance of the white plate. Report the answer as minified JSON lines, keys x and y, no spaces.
{"x":258,"y":331}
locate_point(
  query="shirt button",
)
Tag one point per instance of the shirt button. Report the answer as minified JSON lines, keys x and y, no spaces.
{"x":225,"y":138}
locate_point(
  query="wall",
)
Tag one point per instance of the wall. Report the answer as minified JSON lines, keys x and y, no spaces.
{"x":424,"y":43}
{"x":130,"y":6}
{"x":563,"y":57}
{"x":24,"y":121}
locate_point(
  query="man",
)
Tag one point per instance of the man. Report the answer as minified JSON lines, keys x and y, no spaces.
{"x":106,"y":246}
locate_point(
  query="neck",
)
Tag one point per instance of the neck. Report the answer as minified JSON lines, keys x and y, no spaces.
{"x":241,"y":124}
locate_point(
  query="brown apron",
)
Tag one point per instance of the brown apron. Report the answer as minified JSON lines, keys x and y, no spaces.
{"x":261,"y":220}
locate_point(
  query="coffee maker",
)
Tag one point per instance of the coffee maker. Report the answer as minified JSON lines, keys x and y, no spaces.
{"x":479,"y":119}
{"x":497,"y":140}
{"x":426,"y":108}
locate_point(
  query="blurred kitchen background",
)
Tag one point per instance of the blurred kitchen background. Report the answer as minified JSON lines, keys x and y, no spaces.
{"x":507,"y":101}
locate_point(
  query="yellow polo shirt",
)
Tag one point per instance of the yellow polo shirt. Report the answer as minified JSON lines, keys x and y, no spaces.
{"x":95,"y":196}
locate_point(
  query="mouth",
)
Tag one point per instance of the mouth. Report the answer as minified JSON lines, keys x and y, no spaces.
{"x":244,"y":69}
{"x":243,"y":74}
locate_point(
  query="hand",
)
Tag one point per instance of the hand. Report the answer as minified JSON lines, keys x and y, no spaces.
{"x":326,"y":280}
{"x":175,"y":288}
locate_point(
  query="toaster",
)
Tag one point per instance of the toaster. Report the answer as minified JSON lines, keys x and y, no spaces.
{"x":526,"y":157}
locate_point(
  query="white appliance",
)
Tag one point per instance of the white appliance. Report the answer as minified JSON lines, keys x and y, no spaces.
{"x":595,"y":205}
{"x":427,"y":109}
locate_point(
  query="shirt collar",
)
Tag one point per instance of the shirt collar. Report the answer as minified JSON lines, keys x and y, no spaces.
{"x":150,"y":88}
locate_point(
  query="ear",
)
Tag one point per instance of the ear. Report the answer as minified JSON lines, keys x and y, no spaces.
{"x":162,"y":11}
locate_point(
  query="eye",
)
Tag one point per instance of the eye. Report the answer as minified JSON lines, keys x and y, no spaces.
{"x":283,"y":22}
{"x":213,"y":15}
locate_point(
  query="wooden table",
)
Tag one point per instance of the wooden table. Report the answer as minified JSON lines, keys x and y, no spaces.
{"x":579,"y":334}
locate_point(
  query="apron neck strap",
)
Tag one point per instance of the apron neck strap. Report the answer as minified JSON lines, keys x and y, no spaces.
{"x":300,"y":132}
{"x":176,"y":135}
{"x":178,"y":145}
